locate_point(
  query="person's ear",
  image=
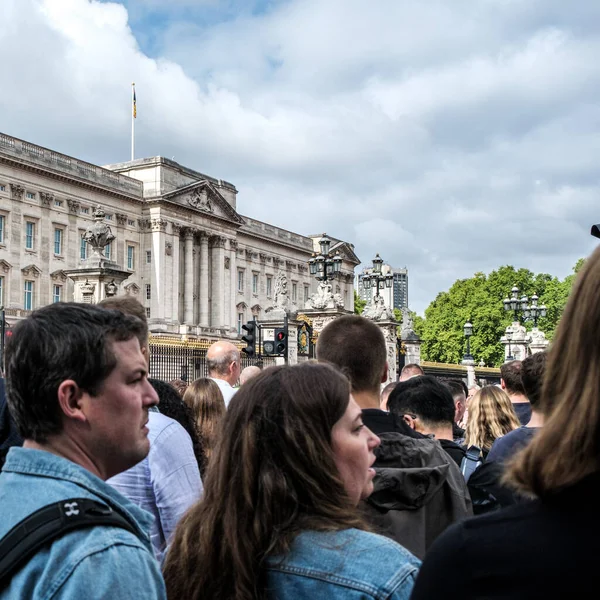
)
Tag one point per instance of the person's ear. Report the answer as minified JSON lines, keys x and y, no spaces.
{"x":410,"y":421}
{"x":386,"y":370}
{"x":70,"y":400}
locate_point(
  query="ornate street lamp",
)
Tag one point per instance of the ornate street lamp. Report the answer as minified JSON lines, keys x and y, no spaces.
{"x":376,"y":278}
{"x":509,"y":336}
{"x":515,"y":303}
{"x":533,"y":312}
{"x":325,"y":266}
{"x":468,"y":331}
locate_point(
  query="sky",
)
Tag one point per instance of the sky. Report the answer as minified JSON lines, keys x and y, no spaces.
{"x":449,"y":137}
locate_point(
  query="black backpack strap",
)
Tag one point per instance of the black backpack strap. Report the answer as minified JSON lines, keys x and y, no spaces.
{"x":48,"y":524}
{"x":470,"y":462}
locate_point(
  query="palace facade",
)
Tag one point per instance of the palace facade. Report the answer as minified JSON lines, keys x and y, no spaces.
{"x":198,"y":266}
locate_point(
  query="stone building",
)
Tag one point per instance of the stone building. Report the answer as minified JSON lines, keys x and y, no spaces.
{"x":198,"y":266}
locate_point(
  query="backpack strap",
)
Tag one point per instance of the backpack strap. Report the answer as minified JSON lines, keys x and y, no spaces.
{"x":471,"y":461}
{"x":49,"y":523}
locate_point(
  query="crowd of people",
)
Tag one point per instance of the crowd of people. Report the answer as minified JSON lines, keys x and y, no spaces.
{"x":314,"y":480}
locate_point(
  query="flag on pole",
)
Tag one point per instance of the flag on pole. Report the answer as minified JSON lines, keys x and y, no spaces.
{"x":134,"y":104}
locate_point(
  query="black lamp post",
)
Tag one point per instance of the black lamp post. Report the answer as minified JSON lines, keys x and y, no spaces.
{"x":376,"y":278}
{"x":515,"y":303}
{"x":509,"y":336}
{"x":468,"y":331}
{"x":533,"y":312}
{"x":324,"y":265}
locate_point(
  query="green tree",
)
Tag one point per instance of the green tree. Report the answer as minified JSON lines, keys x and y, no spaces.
{"x":479,"y":300}
{"x":359,"y":305}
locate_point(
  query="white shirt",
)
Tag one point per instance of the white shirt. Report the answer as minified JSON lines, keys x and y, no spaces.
{"x":226,"y":389}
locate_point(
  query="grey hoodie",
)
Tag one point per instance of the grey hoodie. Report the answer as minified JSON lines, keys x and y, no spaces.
{"x":418,"y":491}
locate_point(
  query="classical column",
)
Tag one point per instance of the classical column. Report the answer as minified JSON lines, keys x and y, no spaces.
{"x":233,"y":246}
{"x":175,"y":282}
{"x":188,"y":292}
{"x":204,"y":316}
{"x":217,"y":316}
{"x":157,"y":301}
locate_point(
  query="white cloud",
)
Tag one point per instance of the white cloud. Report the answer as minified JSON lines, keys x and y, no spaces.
{"x":449,"y":137}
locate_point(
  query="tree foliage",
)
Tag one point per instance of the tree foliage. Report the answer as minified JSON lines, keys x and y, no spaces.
{"x":479,"y":300}
{"x":359,"y":305}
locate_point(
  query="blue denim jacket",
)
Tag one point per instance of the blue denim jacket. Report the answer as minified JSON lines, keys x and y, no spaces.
{"x":349,"y":564}
{"x":95,"y":562}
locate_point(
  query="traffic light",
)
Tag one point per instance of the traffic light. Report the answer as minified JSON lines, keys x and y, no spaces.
{"x":281,"y":340}
{"x":250,"y":338}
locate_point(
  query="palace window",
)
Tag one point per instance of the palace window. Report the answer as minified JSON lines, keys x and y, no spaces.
{"x":85,"y":210}
{"x":28,"y":295}
{"x":148,"y":257}
{"x":30,"y":195}
{"x":56,"y":293}
{"x":130,"y":257}
{"x":58,"y":241}
{"x":29,"y":235}
{"x":255,"y":283}
{"x":269,"y":286}
{"x":2,"y":188}
{"x":240,"y":322}
{"x":108,"y":251}
{"x":1,"y":291}
{"x":83,"y":249}
{"x":294,"y":292}
{"x":58,"y":203}
{"x":2,"y":222}
{"x":306,"y":293}
{"x":240,"y":285}
{"x":148,"y":292}
{"x":147,"y":313}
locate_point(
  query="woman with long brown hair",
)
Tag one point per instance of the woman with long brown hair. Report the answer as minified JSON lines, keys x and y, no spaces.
{"x":546,"y":547}
{"x":279,"y":516}
{"x":206,"y":402}
{"x":491,"y":416}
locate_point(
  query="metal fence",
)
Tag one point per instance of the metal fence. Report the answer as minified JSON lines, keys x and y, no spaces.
{"x":187,"y":361}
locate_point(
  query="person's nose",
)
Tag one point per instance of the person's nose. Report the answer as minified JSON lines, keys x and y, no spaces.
{"x":150,"y":395}
{"x":374,"y":441}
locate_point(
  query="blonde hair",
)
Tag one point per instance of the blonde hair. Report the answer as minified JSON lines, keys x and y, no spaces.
{"x":491,"y":415}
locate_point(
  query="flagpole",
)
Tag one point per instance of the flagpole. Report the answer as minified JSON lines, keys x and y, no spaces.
{"x":133,"y":110}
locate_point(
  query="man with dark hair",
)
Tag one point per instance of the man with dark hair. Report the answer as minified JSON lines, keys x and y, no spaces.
{"x":409,"y":371}
{"x":167,"y":482}
{"x":77,"y":388}
{"x":418,"y":489}
{"x":510,"y":382}
{"x":533,"y":370}
{"x":459,"y":395}
{"x":426,"y":406}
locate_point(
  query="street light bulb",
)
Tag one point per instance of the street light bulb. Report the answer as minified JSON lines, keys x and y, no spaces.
{"x":377,"y":263}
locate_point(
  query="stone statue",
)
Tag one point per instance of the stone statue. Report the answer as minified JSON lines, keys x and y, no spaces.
{"x":280,"y":295}
{"x":199,"y":199}
{"x":325,"y":298}
{"x":98,"y":235}
{"x":407,"y":320}
{"x":376,"y":310}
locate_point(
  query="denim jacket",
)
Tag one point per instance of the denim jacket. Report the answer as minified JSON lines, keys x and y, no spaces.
{"x":94,"y":562}
{"x":349,"y":564}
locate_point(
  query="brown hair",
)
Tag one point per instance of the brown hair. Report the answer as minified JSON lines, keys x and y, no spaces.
{"x":567,"y":448}
{"x":511,"y":375}
{"x":273,"y":475}
{"x":128,"y":306}
{"x":205,"y":399}
{"x":533,"y":369}
{"x":491,"y":415}
{"x":356,"y":346}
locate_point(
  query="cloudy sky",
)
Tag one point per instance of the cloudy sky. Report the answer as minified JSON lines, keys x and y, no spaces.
{"x":450,"y":137}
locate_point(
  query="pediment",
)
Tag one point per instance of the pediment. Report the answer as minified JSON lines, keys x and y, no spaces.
{"x":59,"y":275}
{"x":31,"y":271}
{"x":5,"y":267}
{"x":203,"y":197}
{"x":346,"y":251}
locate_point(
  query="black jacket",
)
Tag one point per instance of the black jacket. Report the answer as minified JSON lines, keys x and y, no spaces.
{"x":418,"y":491}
